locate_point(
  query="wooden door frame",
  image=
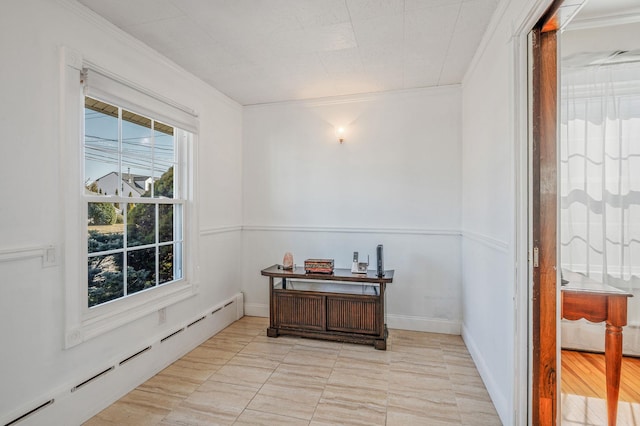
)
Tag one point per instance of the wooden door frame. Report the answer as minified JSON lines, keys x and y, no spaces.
{"x":544,"y":193}
{"x":545,"y":313}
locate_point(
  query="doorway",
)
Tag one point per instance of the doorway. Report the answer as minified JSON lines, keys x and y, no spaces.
{"x":546,"y":247}
{"x":598,"y":170}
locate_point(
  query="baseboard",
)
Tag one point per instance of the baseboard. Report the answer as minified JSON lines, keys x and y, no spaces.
{"x":497,"y":397}
{"x":83,"y":397}
{"x":428,"y":325}
{"x":401,"y":322}
{"x":256,"y":310}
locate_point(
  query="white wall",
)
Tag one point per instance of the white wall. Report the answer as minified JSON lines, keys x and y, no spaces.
{"x":395,"y":181}
{"x":488,"y":221}
{"x":34,"y":367}
{"x":599,"y":39}
{"x":494,"y":290}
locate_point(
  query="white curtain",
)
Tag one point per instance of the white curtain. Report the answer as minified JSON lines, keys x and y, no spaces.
{"x":600,"y":188}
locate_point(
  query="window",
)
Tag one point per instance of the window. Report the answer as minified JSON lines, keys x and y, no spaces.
{"x":130,"y":223}
{"x":134,"y":202}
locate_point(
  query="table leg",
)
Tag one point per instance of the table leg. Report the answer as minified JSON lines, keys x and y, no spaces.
{"x":382,"y":342}
{"x":613,"y":362}
{"x":272,"y":331}
{"x":272,"y":321}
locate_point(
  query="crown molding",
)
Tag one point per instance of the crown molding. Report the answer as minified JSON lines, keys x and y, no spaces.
{"x":358,"y":97}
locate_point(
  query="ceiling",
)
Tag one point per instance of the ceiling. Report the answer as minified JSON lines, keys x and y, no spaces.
{"x":259,"y":51}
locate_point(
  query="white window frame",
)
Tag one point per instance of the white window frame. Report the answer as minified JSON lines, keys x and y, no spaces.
{"x":81,"y":322}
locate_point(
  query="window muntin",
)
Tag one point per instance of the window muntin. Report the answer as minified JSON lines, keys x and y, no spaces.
{"x":134,"y":237}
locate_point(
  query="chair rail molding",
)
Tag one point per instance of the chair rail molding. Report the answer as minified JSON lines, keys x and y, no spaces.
{"x":220,"y":230}
{"x":48,"y":254}
{"x":486,"y":240}
{"x":353,"y":230}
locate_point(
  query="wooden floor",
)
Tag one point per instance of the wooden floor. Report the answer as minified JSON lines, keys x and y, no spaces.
{"x":242,"y":377}
{"x":583,"y":396}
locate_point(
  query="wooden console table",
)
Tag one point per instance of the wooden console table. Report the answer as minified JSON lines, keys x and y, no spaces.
{"x":585,"y":298}
{"x":341,"y":306}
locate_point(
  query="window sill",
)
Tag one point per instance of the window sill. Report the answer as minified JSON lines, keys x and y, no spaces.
{"x":110,"y":316}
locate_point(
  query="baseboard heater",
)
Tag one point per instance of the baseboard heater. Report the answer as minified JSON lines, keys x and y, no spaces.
{"x":134,"y":355}
{"x":111,"y":368}
{"x":25,"y":415}
{"x":171,"y":335}
{"x":92,"y":378}
{"x":196,"y":321}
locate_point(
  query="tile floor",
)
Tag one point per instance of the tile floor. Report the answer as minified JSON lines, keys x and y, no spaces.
{"x":242,"y":377}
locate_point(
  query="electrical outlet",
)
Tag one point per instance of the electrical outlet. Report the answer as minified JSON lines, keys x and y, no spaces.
{"x":162,"y":315}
